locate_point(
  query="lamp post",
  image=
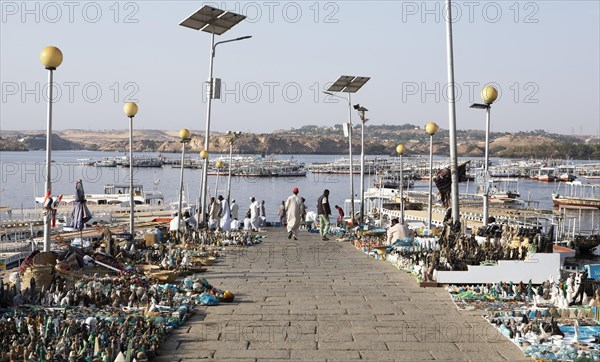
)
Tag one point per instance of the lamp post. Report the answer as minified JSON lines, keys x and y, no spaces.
{"x":400,"y":149}
{"x":363,"y":119}
{"x":218,"y":165}
{"x":203,"y":157}
{"x":213,"y":21}
{"x":184,"y":137}
{"x":232,"y":137}
{"x":131,"y":110}
{"x":431,"y":128}
{"x":51,"y":58}
{"x":489,"y":94}
{"x":349,"y":84}
{"x":452,"y":115}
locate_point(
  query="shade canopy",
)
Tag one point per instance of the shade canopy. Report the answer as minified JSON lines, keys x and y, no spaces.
{"x":212,"y":20}
{"x":80,"y":213}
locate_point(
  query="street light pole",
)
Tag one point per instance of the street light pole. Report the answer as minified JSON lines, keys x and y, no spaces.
{"x":351,"y":161}
{"x":207,"y":127}
{"x":51,"y":58}
{"x":216,"y":22}
{"x":488,"y":94}
{"x":361,"y":114}
{"x":184,"y":137}
{"x":349,"y":84}
{"x":131,"y":110}
{"x":431,"y":128}
{"x":218,"y":164}
{"x":452,"y":116}
{"x":400,"y":149}
{"x":208,"y":109}
{"x":232,"y":138}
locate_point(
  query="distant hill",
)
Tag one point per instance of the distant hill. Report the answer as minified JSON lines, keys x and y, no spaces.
{"x":379,"y":140}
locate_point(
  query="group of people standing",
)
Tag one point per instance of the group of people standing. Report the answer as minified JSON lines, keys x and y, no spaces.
{"x":220,"y":214}
{"x":292,"y":214}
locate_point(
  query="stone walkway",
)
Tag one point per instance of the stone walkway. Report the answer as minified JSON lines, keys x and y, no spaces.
{"x":318,"y":301}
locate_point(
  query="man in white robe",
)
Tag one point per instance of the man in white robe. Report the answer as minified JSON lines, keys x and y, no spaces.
{"x":254,"y":213}
{"x":225,"y":221}
{"x":293,"y":205}
{"x":234,"y":210}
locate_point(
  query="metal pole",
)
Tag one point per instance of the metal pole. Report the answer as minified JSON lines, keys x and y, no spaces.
{"x":217,"y":182}
{"x":229,"y":175}
{"x":429,"y":205}
{"x":401,"y":190}
{"x":206,"y":135}
{"x":452,"y":115}
{"x":486,"y":205}
{"x":48,"y":218}
{"x":351,"y":163}
{"x":362,"y":171}
{"x":131,"y":201}
{"x":180,"y":188}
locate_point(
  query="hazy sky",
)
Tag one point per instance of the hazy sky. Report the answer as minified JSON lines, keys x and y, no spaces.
{"x":544,"y":56}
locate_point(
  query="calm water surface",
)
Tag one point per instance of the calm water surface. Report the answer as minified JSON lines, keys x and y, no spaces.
{"x":23,"y":178}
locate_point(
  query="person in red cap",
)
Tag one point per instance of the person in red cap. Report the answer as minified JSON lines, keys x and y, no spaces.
{"x":294,"y":214}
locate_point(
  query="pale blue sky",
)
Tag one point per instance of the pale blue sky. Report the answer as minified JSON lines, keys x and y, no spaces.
{"x":544,"y":55}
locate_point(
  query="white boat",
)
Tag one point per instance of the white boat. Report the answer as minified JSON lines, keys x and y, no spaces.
{"x":566,"y":173}
{"x":504,"y":190}
{"x":85,"y":162}
{"x":117,"y":194}
{"x":576,"y":193}
{"x":106,"y":162}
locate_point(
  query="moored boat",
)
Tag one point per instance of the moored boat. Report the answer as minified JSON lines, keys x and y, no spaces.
{"x":576,"y":193}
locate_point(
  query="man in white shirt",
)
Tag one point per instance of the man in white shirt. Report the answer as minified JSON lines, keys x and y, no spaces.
{"x":398,"y":231}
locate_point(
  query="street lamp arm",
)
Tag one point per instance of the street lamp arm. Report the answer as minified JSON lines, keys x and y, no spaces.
{"x":229,"y":41}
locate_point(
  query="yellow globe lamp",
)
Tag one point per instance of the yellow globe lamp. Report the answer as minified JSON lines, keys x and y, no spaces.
{"x":184,"y":135}
{"x":130,"y":109}
{"x":51,"y":57}
{"x":431,"y":128}
{"x":203,"y":154}
{"x":489,"y":94}
{"x":400,"y":149}
{"x":219,"y":164}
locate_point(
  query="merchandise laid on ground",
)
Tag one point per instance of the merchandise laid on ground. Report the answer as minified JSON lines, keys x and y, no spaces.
{"x":112,"y":298}
{"x":504,"y":275}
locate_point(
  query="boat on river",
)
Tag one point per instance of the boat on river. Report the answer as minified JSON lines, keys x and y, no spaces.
{"x":504,"y":190}
{"x":576,"y":193}
{"x":106,"y":162}
{"x":117,"y":194}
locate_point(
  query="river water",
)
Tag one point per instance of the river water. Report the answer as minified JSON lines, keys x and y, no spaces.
{"x":23,"y":175}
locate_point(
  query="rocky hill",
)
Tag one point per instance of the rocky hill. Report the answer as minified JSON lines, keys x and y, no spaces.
{"x":379,"y":140}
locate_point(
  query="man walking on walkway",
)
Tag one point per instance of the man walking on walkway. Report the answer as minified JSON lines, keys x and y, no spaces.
{"x":294,"y":214}
{"x":324,"y":210}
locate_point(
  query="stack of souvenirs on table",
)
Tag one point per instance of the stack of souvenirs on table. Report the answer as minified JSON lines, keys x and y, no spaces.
{"x":556,"y":320}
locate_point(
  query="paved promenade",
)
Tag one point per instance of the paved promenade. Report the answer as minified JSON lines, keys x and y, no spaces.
{"x":319,"y":301}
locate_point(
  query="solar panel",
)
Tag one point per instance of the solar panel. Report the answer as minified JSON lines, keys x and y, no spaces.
{"x":341,"y":83}
{"x":348,"y":84}
{"x":212,"y":20}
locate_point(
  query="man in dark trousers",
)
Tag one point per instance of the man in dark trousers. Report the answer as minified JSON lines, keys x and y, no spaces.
{"x":324,"y":210}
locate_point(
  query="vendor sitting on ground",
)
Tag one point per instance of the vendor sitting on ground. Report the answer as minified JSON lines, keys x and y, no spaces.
{"x":398,"y":231}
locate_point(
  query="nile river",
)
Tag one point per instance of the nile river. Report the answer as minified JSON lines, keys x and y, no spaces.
{"x":23,"y":176}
